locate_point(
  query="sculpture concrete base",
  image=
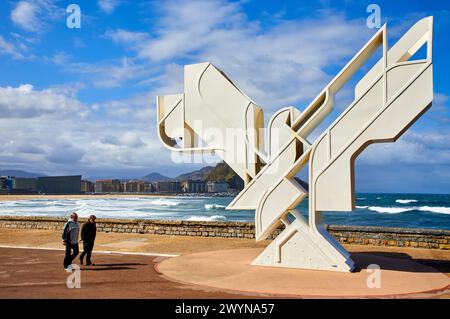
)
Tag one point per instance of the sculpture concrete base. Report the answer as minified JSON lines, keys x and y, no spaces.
{"x":305,"y":247}
{"x":230,"y":270}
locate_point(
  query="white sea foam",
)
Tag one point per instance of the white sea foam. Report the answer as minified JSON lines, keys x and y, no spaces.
{"x":398,"y":210}
{"x":439,"y":210}
{"x":214,"y":206}
{"x":406,"y":201}
{"x":164,"y":202}
{"x":362,"y":207}
{"x":207,"y":218}
{"x":390,"y":210}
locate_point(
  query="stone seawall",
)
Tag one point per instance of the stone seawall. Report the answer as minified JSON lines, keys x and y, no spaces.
{"x":361,"y":235}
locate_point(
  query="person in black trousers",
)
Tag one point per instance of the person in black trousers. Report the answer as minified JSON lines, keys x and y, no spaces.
{"x":70,"y":240}
{"x":88,"y":233}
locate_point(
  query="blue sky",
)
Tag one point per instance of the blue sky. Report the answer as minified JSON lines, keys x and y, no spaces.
{"x":83,"y":100}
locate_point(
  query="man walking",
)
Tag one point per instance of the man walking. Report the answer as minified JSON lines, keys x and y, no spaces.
{"x":70,"y":239}
{"x":88,"y":233}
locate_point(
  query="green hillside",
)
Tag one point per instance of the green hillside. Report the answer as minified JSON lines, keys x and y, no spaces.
{"x":223,"y":173}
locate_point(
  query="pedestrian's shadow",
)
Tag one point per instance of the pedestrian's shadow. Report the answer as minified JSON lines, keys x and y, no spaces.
{"x":90,"y":268}
{"x":119,"y":264}
{"x":398,"y":262}
{"x":113,"y":266}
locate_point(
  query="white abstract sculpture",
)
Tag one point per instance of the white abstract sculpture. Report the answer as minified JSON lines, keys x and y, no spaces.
{"x":393,"y":94}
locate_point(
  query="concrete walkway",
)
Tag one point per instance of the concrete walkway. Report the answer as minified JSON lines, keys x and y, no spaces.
{"x":231,"y":270}
{"x":38,"y":273}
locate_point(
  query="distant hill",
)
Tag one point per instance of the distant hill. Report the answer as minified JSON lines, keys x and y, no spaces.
{"x":220,"y":173}
{"x":223,"y":173}
{"x":198,"y":175}
{"x":155,"y":177}
{"x":18,"y":173}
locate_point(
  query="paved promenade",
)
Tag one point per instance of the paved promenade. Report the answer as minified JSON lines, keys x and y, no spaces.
{"x":38,"y":273}
{"x":32,"y":273}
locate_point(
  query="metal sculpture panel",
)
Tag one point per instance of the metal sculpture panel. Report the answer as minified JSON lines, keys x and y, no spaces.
{"x":214,"y":115}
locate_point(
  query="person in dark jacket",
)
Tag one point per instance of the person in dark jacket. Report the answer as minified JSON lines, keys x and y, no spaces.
{"x":88,"y":233}
{"x":70,"y":240}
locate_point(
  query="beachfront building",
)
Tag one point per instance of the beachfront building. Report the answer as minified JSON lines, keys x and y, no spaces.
{"x":6,"y":183}
{"x":59,"y":184}
{"x":108,"y":186}
{"x":190,"y":186}
{"x":87,"y":186}
{"x":135,"y":186}
{"x":2,"y":182}
{"x":217,"y":187}
{"x":150,"y":188}
{"x":24,"y":184}
{"x":168,"y":187}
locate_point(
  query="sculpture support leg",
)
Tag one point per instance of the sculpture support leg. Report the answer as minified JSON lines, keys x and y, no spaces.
{"x":305,"y":247}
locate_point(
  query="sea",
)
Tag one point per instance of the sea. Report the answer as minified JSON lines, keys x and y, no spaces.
{"x":387,"y":210}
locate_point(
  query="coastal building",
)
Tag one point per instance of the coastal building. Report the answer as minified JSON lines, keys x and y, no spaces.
{"x":168,"y":187}
{"x":217,"y":187}
{"x":2,"y":182}
{"x":191,"y":186}
{"x":135,"y":186}
{"x":150,"y":188}
{"x":9,"y":182}
{"x":24,"y":184}
{"x":87,"y":186}
{"x":4,"y":185}
{"x":108,"y":186}
{"x":59,"y":184}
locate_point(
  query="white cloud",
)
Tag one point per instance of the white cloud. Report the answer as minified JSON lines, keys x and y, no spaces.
{"x":10,"y":49}
{"x":105,"y":74}
{"x":276,"y":66}
{"x":127,"y":139}
{"x":425,"y":143}
{"x":424,"y":148}
{"x":25,"y":102}
{"x":108,"y":6}
{"x":32,"y":16}
{"x":124,"y":36}
{"x":25,"y":15}
{"x":51,"y":131}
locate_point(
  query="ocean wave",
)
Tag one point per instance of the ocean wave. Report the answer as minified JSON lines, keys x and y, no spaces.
{"x":398,"y":210}
{"x":362,"y":207}
{"x":164,"y":202}
{"x":214,"y":206}
{"x":406,"y":201}
{"x":389,"y":210}
{"x":438,"y":210}
{"x":207,"y":218}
